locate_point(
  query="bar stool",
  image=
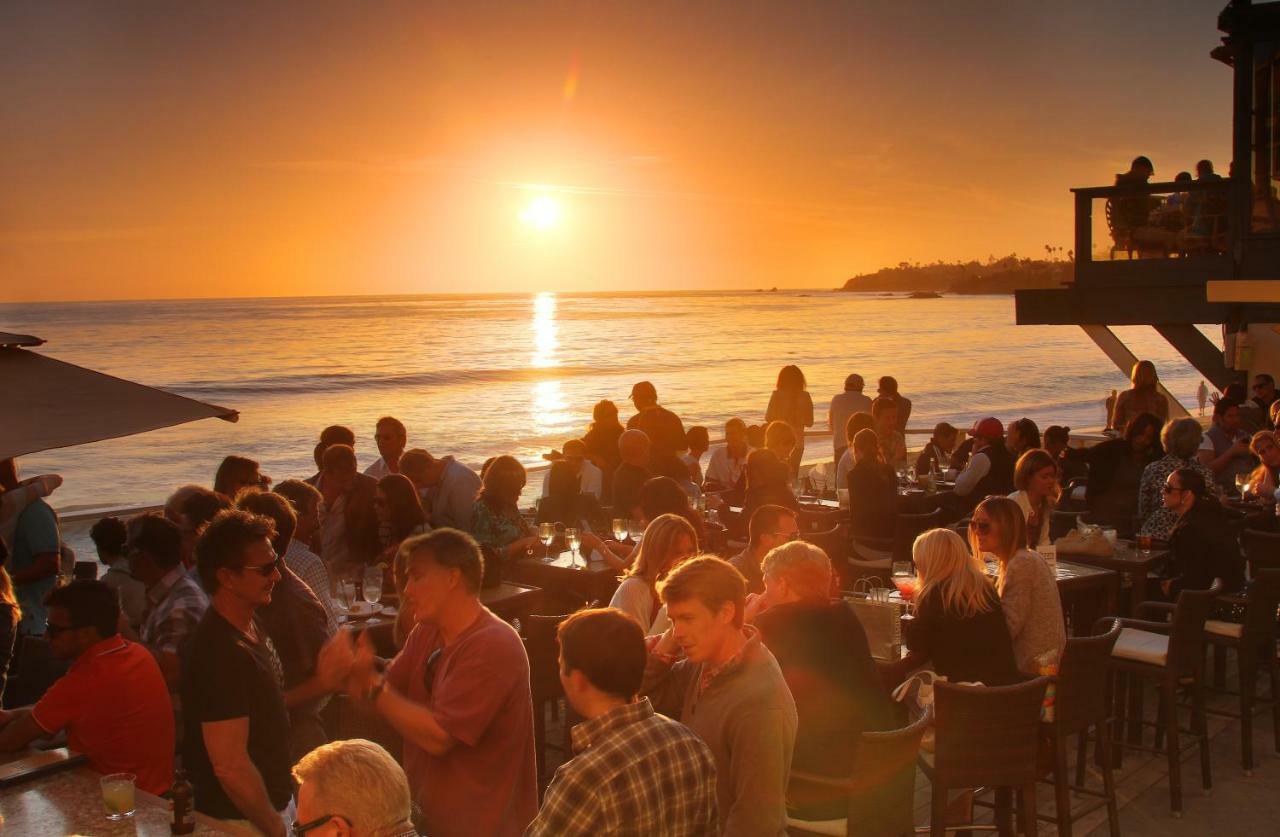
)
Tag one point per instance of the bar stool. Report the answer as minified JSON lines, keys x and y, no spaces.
{"x":985,"y":737}
{"x":1080,"y":705}
{"x":1172,"y":655}
{"x":1254,"y":643}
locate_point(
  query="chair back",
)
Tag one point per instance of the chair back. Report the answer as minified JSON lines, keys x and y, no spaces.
{"x":908,"y":527}
{"x":987,"y":735}
{"x":1261,"y":550}
{"x":1080,"y":698}
{"x":543,"y":648}
{"x":882,"y":796}
{"x":1062,"y":522}
{"x":1186,"y":636}
{"x":1260,"y":608}
{"x":834,"y":542}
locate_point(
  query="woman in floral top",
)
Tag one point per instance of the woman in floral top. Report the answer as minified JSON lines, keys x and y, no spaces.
{"x":496,"y":521}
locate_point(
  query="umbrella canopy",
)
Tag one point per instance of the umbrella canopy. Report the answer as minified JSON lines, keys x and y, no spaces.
{"x":51,"y":404}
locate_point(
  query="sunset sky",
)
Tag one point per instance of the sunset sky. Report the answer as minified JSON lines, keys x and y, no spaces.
{"x":248,"y":149}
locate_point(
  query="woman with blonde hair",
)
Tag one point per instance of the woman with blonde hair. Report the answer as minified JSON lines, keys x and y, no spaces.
{"x":10,"y":616}
{"x":959,"y":625}
{"x":791,"y":403}
{"x":1266,"y":477}
{"x":1142,"y":396}
{"x":1027,"y":586}
{"x":668,"y":540}
{"x":1036,"y":478}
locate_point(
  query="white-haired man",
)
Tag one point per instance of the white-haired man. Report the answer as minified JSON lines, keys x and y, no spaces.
{"x":352,"y":788}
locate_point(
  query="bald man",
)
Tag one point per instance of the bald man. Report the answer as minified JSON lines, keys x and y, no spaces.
{"x":631,"y":473}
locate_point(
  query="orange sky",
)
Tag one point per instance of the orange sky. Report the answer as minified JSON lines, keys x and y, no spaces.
{"x":245,"y":149}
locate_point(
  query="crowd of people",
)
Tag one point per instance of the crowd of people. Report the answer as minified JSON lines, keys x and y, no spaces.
{"x":702,"y":685}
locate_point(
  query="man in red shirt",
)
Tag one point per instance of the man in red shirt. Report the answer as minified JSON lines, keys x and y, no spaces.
{"x":458,"y":692}
{"x":113,"y":701}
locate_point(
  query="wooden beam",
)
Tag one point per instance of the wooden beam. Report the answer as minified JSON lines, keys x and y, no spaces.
{"x":1124,"y":360}
{"x":1200,"y":352}
{"x":1242,"y":290}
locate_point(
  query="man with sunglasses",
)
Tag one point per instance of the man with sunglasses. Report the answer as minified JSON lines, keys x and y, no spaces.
{"x":458,"y":692}
{"x":236,"y":742}
{"x":769,"y":526}
{"x":112,"y":702}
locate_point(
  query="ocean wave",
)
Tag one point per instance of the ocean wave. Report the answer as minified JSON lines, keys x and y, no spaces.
{"x":321,"y":382}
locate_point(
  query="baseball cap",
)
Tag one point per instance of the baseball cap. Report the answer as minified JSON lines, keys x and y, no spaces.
{"x":988,"y":428}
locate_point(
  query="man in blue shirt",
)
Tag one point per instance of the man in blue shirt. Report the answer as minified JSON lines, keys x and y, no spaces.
{"x":33,"y":565}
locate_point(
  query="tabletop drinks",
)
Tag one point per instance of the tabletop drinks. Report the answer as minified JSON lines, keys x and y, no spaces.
{"x":904,"y":578}
{"x":183,"y":804}
{"x":373,"y":585}
{"x":619,"y":529}
{"x":1242,"y":485}
{"x":573,"y":540}
{"x":635,"y":529}
{"x":547,"y":534}
{"x":345,"y":589}
{"x":118,"y":795}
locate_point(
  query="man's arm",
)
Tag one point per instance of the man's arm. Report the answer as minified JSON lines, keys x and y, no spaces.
{"x":227,"y":743}
{"x":42,"y":566}
{"x":1218,"y":464}
{"x":977,"y":469}
{"x":414,"y":721}
{"x":20,"y":729}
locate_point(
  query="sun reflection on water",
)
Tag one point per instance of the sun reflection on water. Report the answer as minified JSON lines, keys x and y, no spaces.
{"x":549,"y":409}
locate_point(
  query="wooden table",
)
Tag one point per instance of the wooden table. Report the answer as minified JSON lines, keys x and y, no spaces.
{"x":592,"y":580}
{"x":1130,"y":562}
{"x":1088,"y":594}
{"x":70,"y":802}
{"x":510,"y":601}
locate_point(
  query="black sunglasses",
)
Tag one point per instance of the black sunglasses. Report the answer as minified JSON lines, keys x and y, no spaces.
{"x":982,"y":527}
{"x":300,"y":829}
{"x":265,"y":570}
{"x":1169,"y":489}
{"x":429,"y":673}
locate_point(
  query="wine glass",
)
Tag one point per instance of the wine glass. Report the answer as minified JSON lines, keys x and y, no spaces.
{"x":346,"y":591}
{"x":635,"y":529}
{"x":1242,"y":485}
{"x":620,"y":529}
{"x":904,"y":578}
{"x":546,"y":534}
{"x":373,"y":585}
{"x":574,"y":540}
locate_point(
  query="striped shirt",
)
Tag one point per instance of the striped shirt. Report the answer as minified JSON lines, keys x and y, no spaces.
{"x":635,"y":772}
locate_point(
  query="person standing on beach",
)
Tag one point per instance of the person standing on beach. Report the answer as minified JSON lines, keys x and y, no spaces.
{"x":792,"y":404}
{"x":888,"y":388}
{"x":843,"y":405}
{"x":1143,"y":396}
{"x":391,"y":438}
{"x":663,"y":427}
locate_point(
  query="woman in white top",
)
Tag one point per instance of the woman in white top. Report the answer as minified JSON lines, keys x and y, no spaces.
{"x":667,"y":541}
{"x":1027,"y":586}
{"x":1036,"y":478}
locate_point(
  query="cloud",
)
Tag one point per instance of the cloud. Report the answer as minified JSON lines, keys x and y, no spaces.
{"x":71,"y":235}
{"x":338,"y":166}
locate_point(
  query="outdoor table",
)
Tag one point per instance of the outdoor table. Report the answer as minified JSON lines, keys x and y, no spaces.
{"x":509,"y":600}
{"x":593,"y":580}
{"x":381,"y":630}
{"x":1088,"y":594}
{"x":1129,"y":562}
{"x":69,"y":801}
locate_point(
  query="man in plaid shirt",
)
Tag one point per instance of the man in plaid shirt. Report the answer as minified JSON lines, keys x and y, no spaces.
{"x":635,"y":772}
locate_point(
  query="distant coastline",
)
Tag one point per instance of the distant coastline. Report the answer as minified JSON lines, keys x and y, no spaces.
{"x":995,"y":276}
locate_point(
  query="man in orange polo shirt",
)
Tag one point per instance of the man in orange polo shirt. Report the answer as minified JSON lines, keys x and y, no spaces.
{"x":113,"y":701}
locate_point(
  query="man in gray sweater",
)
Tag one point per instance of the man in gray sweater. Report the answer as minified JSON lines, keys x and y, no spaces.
{"x":729,"y":690}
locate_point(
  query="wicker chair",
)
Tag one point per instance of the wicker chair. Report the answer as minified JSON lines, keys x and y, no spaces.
{"x":1080,"y":705}
{"x":1171,"y":653}
{"x":1254,"y":643}
{"x":908,"y":527}
{"x":880,"y":789}
{"x":834,"y":542}
{"x":539,"y":634}
{"x":985,"y":737}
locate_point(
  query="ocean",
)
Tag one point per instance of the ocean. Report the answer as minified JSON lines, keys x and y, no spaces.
{"x":476,"y":376}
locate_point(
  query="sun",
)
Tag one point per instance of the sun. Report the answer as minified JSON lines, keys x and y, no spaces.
{"x":543,"y":212}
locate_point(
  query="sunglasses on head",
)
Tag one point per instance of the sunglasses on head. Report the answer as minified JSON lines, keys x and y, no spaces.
{"x":265,"y":570}
{"x":982,"y":527}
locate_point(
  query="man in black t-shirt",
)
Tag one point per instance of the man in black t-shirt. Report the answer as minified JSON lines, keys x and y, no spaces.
{"x":631,"y":474}
{"x":236,"y":748}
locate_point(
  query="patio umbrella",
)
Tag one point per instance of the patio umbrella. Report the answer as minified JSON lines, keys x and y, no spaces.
{"x":50,"y":404}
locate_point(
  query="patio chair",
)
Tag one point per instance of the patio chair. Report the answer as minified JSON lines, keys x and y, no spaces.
{"x":880,"y":789}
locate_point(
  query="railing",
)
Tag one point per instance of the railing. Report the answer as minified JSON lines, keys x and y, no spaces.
{"x":1154,"y":220}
